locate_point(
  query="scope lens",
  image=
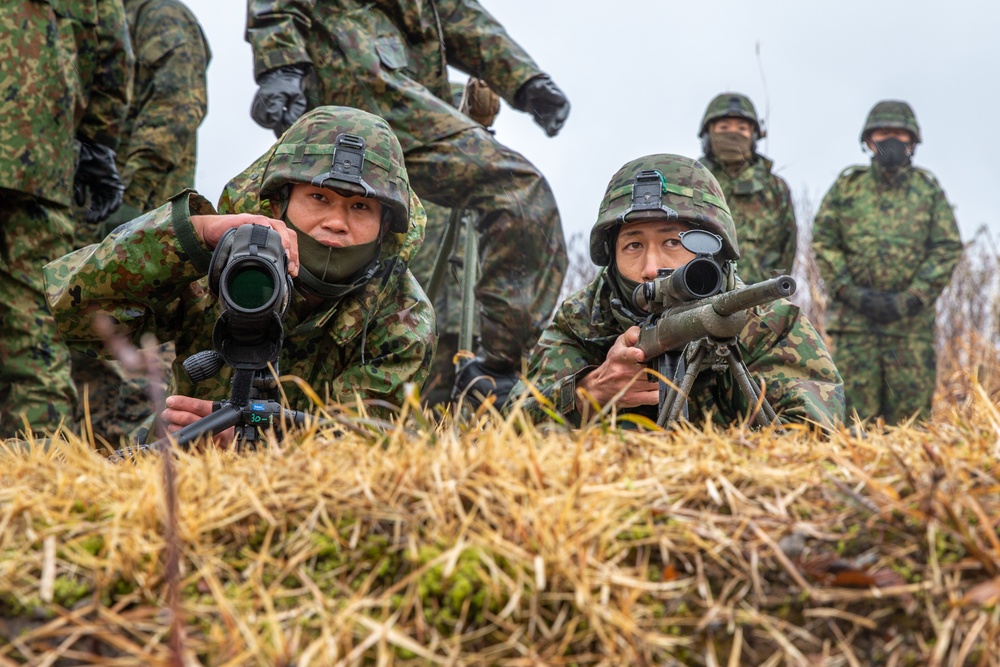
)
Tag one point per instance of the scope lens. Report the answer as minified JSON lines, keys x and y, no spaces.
{"x":250,"y":287}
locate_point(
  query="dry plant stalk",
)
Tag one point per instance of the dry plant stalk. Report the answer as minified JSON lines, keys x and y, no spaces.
{"x":496,"y":542}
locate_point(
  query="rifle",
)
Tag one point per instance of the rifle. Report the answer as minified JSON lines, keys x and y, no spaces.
{"x":692,"y":322}
{"x":249,"y":274}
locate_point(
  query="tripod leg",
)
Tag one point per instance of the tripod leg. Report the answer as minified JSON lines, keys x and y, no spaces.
{"x":667,"y":366}
{"x":677,"y":405}
{"x":216,"y":422}
{"x":766,"y":415}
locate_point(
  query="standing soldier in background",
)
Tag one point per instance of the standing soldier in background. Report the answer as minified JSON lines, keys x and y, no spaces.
{"x":65,"y":77}
{"x":390,"y":58}
{"x":759,"y":200}
{"x":886,"y":244}
{"x":157,"y":160}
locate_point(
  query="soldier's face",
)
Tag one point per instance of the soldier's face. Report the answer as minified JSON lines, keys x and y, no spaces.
{"x":333,"y":219}
{"x":738,"y":125}
{"x":644,"y":247}
{"x":883,"y":133}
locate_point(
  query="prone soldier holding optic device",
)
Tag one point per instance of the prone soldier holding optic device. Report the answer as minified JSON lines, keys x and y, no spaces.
{"x":249,"y":274}
{"x":668,"y":295}
{"x":353,"y":324}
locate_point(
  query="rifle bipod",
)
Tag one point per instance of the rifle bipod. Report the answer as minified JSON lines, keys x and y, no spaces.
{"x":683,"y":368}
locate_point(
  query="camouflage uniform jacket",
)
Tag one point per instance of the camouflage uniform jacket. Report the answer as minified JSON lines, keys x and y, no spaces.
{"x":894,"y":236}
{"x":65,"y":71}
{"x":157,"y":153}
{"x":368,"y":344}
{"x":778,"y":344}
{"x":390,"y":57}
{"x":762,"y":209}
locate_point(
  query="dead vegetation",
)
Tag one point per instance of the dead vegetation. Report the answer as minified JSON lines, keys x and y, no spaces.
{"x":498,"y":543}
{"x":494,"y":542}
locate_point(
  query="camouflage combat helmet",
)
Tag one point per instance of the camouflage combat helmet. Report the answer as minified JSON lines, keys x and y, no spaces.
{"x":347,"y":150}
{"x":891,"y":114}
{"x":731,"y":105}
{"x":663,"y":186}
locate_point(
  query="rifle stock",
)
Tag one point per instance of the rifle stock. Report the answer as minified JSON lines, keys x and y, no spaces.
{"x":720,"y":316}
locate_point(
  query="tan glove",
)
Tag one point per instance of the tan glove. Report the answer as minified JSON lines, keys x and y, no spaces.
{"x":479,"y":102}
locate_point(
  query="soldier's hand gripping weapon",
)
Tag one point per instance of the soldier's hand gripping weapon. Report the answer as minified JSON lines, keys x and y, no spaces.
{"x":693,"y":326}
{"x":249,"y":274}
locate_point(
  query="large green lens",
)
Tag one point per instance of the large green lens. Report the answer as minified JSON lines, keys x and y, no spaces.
{"x":250,"y":287}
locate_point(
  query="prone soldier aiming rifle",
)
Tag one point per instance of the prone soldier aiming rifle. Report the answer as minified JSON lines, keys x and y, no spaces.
{"x":668,"y":294}
{"x":692,"y":324}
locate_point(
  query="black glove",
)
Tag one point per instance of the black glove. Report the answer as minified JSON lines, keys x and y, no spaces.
{"x":97,"y":175}
{"x":475,"y":381}
{"x":547,"y":104}
{"x":881,"y":307}
{"x":280,"y":98}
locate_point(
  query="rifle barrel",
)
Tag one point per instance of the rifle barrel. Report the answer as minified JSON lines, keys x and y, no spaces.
{"x":720,"y":316}
{"x":728,"y":303}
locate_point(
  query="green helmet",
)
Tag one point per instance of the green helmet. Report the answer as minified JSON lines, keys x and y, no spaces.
{"x":731,"y":105}
{"x":662,"y":186}
{"x":891,"y":114}
{"x":347,"y":150}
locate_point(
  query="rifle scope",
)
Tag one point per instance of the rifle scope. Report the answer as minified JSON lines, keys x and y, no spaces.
{"x":698,"y":279}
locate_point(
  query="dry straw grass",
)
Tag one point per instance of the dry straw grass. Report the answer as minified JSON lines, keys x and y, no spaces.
{"x":497,"y":543}
{"x":493,"y":542}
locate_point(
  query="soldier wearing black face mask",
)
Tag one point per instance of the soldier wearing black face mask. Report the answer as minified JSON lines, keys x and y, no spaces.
{"x":886,"y":244}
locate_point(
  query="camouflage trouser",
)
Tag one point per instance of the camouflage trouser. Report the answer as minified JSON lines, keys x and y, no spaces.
{"x":891,"y":377}
{"x":522,"y":253}
{"x":114,"y":402}
{"x":34,"y":364}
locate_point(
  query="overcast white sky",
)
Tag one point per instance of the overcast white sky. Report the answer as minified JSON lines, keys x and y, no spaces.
{"x":639,"y":74}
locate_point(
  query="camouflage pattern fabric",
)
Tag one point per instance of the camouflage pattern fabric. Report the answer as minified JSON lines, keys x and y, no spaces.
{"x":34,"y":363}
{"x":159,"y":146}
{"x":447,"y":305}
{"x":761,"y":206}
{"x":156,"y":159}
{"x":778,"y":344}
{"x":688,"y":191}
{"x":892,"y":376}
{"x":390,"y":57}
{"x":894,"y":233}
{"x":65,"y":72}
{"x":522,"y":253}
{"x":731,"y":105}
{"x":366,"y":345}
{"x":891,"y":114}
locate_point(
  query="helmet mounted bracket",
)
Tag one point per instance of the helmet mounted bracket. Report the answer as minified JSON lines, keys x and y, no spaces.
{"x":348,"y":164}
{"x":648,"y":189}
